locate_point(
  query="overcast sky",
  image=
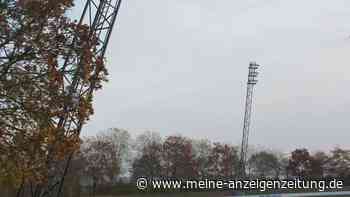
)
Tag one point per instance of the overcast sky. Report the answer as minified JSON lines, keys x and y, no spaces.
{"x":180,"y":66}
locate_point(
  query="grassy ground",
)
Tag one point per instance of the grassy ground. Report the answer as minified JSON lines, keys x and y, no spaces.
{"x":181,"y":195}
{"x":130,"y":191}
{"x":186,"y":194}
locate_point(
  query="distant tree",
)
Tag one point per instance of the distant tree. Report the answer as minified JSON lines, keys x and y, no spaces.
{"x":149,"y":163}
{"x":121,"y":141}
{"x":223,"y":161}
{"x":215,"y":160}
{"x":299,"y":163}
{"x":303,"y":165}
{"x":189,"y":164}
{"x":178,"y":158}
{"x":148,"y":155}
{"x":319,"y":164}
{"x":321,"y":156}
{"x":282,"y":171}
{"x":338,"y":164}
{"x":146,"y":139}
{"x":202,"y":150}
{"x":100,"y":162}
{"x":230,"y":161}
{"x":264,"y":165}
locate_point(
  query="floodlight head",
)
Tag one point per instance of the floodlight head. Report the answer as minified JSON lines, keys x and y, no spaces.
{"x":253,"y":65}
{"x":253,"y":73}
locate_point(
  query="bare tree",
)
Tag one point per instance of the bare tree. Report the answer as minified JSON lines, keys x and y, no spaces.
{"x":264,"y":165}
{"x":149,"y":163}
{"x":147,"y":153}
{"x":223,"y":161}
{"x":100,"y":162}
{"x":202,"y":150}
{"x":121,"y":141}
{"x":303,"y":165}
{"x":178,"y":158}
{"x":338,"y":164}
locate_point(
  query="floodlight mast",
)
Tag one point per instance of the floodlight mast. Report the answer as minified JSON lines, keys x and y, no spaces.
{"x":100,"y":16}
{"x":252,"y":80}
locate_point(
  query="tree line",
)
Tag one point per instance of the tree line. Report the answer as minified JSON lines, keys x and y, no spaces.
{"x":113,"y":156}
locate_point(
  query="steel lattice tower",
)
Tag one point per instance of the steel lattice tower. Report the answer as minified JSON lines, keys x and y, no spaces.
{"x":100,"y":17}
{"x":252,"y":75}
